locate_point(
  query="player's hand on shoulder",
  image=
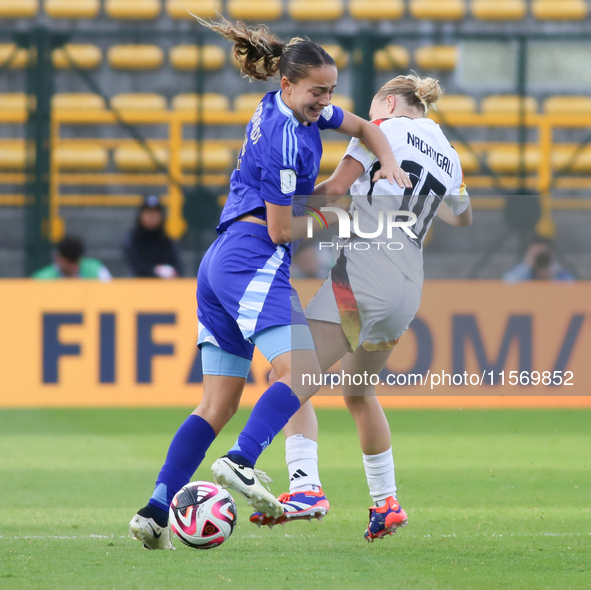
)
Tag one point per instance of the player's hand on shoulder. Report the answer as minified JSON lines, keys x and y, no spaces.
{"x":392,"y":172}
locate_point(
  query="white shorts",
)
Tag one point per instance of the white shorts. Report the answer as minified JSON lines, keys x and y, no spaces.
{"x":369,"y":296}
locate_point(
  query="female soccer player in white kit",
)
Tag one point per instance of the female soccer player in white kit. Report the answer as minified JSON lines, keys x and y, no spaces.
{"x":374,"y":290}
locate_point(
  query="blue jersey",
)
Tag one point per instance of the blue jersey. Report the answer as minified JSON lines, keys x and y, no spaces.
{"x":280,"y":158}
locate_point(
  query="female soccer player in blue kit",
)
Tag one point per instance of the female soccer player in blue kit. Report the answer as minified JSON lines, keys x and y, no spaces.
{"x":244,"y":297}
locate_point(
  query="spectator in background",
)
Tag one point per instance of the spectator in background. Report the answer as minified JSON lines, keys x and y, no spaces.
{"x":538,"y":265}
{"x":149,"y":252}
{"x":70,"y":263}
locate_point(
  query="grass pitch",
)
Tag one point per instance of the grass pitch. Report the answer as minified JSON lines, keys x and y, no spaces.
{"x":496,"y":499}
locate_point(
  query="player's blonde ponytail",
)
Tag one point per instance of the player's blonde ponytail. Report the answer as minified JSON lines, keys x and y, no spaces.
{"x":416,"y":91}
{"x":261,"y":54}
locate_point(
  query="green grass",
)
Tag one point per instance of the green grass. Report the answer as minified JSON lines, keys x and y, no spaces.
{"x":496,"y":499}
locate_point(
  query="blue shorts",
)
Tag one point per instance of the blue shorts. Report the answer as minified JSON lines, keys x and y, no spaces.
{"x":243,"y":289}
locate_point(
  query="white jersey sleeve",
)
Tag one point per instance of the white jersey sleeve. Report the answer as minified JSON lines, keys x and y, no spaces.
{"x":358,"y":150}
{"x":457,"y":199}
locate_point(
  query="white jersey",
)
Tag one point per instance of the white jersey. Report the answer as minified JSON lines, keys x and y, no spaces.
{"x":423,"y":151}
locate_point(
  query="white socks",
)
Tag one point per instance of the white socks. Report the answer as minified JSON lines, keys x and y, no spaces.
{"x":301,"y":455}
{"x":379,"y":470}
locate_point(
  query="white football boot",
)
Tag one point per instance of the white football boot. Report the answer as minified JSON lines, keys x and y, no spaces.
{"x":247,"y":481}
{"x":149,"y":533}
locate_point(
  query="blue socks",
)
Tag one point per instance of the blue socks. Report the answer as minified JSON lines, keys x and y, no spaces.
{"x":186,"y":451}
{"x":268,"y":417}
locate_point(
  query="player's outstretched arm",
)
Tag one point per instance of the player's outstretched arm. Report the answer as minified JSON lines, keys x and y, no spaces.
{"x":373,"y":137}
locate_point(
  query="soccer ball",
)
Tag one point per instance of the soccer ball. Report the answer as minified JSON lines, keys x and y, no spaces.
{"x":202,"y":515}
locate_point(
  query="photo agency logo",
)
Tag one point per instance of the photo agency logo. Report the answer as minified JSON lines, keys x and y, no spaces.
{"x":387,"y":220}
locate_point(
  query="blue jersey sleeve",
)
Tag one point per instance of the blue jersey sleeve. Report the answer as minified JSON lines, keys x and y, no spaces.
{"x":279,"y":172}
{"x":331,"y":118}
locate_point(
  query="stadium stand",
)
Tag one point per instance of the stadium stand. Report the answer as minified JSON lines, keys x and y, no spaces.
{"x":135,"y":158}
{"x":138,"y":102}
{"x":498,"y":9}
{"x":332,"y":154}
{"x":75,"y":156}
{"x":181,"y":9}
{"x":135,"y":57}
{"x":19,"y":8}
{"x":343,"y":101}
{"x":338,"y":54}
{"x":247,"y":103}
{"x":86,"y":57}
{"x":14,"y":102}
{"x":215,"y":156}
{"x":315,"y":10}
{"x":508,"y":104}
{"x":18,"y":57}
{"x":78,"y":102}
{"x":572,"y":158}
{"x":437,"y":9}
{"x":506,"y":159}
{"x":209,"y":102}
{"x":266,"y":10}
{"x":133,"y":9}
{"x":563,"y":10}
{"x":456,"y":103}
{"x":437,"y":57}
{"x":191,"y":57}
{"x":72,"y":9}
{"x":468,"y":159}
{"x":12,"y":154}
{"x":392,"y":58}
{"x":575,"y":105}
{"x":376,"y":9}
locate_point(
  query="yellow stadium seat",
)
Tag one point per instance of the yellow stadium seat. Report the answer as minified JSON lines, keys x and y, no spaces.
{"x":216,"y":157}
{"x":568,"y":105}
{"x":209,"y":103}
{"x":564,"y":159}
{"x":133,"y":9}
{"x":437,"y":9}
{"x":508,"y":104}
{"x":18,"y":8}
{"x":134,"y":158}
{"x":468,"y":159}
{"x":12,"y":153}
{"x":180,"y":9}
{"x":437,"y":57}
{"x":16,"y":101}
{"x":315,"y":10}
{"x":135,"y":57}
{"x":19,"y":59}
{"x":392,"y":58}
{"x":138,"y":102}
{"x":376,"y":9}
{"x":563,"y":10}
{"x":450,"y":104}
{"x":255,"y":9}
{"x":332,"y":154}
{"x":78,"y":102}
{"x":506,"y":159}
{"x":82,"y":156}
{"x":189,"y":57}
{"x":247,"y":103}
{"x":86,"y":57}
{"x":72,"y":8}
{"x":499,"y":9}
{"x":337,"y":53}
{"x":342,"y":101}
